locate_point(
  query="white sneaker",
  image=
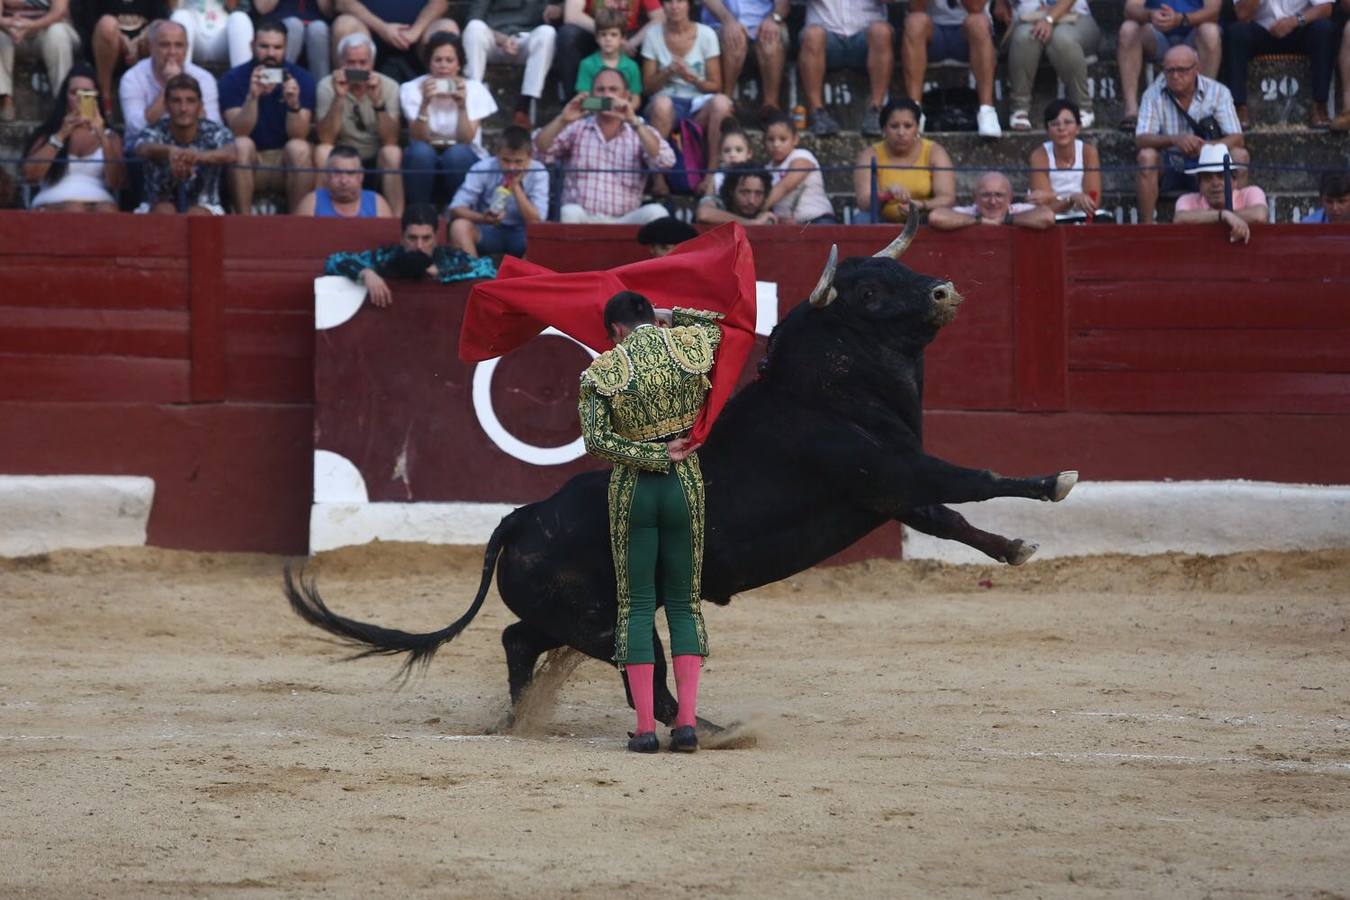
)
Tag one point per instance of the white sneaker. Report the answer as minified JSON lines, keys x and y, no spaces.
{"x":987,"y":118}
{"x":1086,"y":118}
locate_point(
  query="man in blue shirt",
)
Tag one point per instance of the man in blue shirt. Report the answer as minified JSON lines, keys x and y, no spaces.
{"x":499,"y":197}
{"x":269,"y":105}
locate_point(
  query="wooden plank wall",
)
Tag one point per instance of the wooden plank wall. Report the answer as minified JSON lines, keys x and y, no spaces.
{"x":182,"y":348}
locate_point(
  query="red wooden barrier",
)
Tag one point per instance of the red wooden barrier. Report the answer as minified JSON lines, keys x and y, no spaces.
{"x":183,"y":349}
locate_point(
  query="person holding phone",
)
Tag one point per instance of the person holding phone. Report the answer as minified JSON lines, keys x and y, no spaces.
{"x":358,"y":106}
{"x":269,"y":105}
{"x":606,"y":155}
{"x":73,"y":154}
{"x":444,"y":111}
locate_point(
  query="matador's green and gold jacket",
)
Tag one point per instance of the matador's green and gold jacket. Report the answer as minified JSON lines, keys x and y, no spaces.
{"x":648,"y":390}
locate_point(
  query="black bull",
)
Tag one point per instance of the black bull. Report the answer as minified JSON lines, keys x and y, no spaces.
{"x":824,"y":447}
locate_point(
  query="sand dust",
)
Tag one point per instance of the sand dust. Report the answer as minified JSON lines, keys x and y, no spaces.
{"x":1164,"y":727}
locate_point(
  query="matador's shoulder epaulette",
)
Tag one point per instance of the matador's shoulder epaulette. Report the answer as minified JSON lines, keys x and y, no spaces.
{"x":610,"y":372}
{"x":690,"y":347}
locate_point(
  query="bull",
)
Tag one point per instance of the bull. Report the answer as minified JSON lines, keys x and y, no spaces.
{"x":825,"y":446}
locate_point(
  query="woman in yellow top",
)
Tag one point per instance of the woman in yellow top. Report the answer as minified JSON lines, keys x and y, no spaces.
{"x":925,"y":179}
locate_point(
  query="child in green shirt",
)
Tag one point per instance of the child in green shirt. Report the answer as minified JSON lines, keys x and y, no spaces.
{"x":609,"y":23}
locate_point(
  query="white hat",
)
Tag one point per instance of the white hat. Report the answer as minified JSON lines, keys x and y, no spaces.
{"x":1212,"y":158}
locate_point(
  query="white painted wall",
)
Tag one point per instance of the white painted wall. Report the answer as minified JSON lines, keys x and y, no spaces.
{"x":41,"y":513}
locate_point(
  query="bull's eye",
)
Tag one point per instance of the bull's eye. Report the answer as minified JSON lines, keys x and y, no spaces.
{"x":867,"y":295}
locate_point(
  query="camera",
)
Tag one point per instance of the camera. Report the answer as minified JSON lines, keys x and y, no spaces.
{"x":597,"y":104}
{"x":356,"y":75}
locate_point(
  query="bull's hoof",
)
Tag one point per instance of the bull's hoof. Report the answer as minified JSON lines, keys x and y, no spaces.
{"x":1022,"y":551}
{"x":1064,"y":483}
{"x":505,"y":724}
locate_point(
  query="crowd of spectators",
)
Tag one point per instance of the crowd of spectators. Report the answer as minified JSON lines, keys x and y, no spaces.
{"x":370,"y":107}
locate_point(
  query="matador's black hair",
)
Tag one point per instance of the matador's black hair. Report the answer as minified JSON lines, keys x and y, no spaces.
{"x":628,"y":308}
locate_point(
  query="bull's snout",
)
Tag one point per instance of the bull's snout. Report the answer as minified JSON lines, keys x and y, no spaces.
{"x":946,"y":299}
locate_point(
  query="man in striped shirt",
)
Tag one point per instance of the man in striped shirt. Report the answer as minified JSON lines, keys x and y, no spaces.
{"x":604,"y":155}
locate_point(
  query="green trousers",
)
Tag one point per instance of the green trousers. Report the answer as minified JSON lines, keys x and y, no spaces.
{"x":656,"y":524}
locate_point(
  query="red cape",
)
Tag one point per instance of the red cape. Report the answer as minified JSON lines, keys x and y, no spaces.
{"x":714,"y":271}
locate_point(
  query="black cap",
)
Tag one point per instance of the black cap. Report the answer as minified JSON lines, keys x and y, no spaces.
{"x":668,"y":230}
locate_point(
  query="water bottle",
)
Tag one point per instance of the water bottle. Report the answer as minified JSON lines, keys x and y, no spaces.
{"x":500,"y":196}
{"x":799,"y":117}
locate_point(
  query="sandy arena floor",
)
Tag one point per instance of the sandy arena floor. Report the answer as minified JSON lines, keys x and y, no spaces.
{"x":1162,"y":727}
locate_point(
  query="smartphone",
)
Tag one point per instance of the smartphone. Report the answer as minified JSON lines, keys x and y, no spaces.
{"x":88,"y":103}
{"x":275,"y":75}
{"x":354,"y":75}
{"x":445,"y":86}
{"x":597,"y":104}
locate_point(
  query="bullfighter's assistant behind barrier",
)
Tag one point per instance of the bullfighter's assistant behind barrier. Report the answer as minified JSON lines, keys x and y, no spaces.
{"x":637,"y":405}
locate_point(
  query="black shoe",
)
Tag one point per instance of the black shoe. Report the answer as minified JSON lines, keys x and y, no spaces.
{"x":646,"y":742}
{"x":684,"y":739}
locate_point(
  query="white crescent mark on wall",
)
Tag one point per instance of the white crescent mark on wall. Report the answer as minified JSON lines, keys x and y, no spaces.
{"x":336,"y":299}
{"x":337,"y":480}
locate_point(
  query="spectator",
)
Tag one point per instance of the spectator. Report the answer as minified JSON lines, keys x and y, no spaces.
{"x":913,"y":173}
{"x":516,"y":33}
{"x":143,"y":86}
{"x":499,"y":198}
{"x":845,"y":34}
{"x":1208,"y":204}
{"x":1065,"y":30}
{"x":362,"y":112}
{"x":798,"y":194}
{"x":993,"y":206}
{"x":1342,"y":120}
{"x":683,"y":83}
{"x":1175,"y":105}
{"x":307,"y":31}
{"x":611,"y":148}
{"x":660,"y":236}
{"x":1066,"y":173}
{"x":217,"y":30}
{"x":416,"y":257}
{"x":184,"y":154}
{"x":443,"y":110}
{"x":75,"y":157}
{"x":735,"y":149}
{"x":1301,"y":27}
{"x":269,"y":105}
{"x":1151,"y":29}
{"x":47,"y":24}
{"x":399,"y":28}
{"x":738,"y":24}
{"x":609,"y":38}
{"x":576,"y":37}
{"x":341,"y":195}
{"x":743,"y":198}
{"x":954,"y":29}
{"x":1334,"y":191}
{"x":118,"y":37}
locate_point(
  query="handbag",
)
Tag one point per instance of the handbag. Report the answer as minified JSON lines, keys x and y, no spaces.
{"x":1207,"y":129}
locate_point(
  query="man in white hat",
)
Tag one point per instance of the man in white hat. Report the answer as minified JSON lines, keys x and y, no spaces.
{"x":1207,"y":205}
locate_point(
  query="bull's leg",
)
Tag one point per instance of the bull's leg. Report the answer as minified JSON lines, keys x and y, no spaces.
{"x":524,"y":644}
{"x":939,"y":521}
{"x":938,"y":481}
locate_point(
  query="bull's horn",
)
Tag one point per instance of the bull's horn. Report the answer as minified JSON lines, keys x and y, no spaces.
{"x":825,"y":293}
{"x":901,"y":243}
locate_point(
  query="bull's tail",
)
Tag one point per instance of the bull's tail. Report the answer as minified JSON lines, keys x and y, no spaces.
{"x":308,"y":605}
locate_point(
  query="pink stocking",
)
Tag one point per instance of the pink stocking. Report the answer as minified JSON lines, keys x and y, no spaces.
{"x":640,"y":686}
{"x":687,"y":669}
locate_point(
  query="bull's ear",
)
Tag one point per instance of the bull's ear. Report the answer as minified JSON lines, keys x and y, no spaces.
{"x":824,"y":292}
{"x":895,"y":248}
